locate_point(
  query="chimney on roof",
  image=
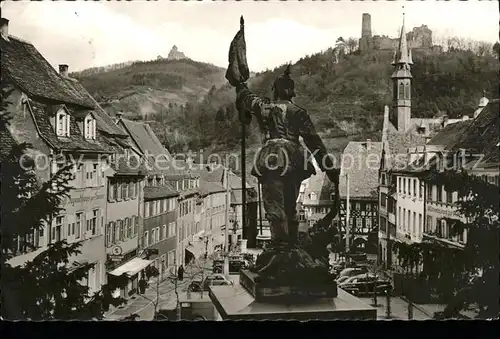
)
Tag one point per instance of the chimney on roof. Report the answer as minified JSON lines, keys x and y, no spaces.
{"x":5,"y":27}
{"x":63,"y":70}
{"x":119,"y":116}
{"x":368,"y":144}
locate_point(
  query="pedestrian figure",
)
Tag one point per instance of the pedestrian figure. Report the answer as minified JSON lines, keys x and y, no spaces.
{"x":180,"y":273}
{"x":142,"y":285}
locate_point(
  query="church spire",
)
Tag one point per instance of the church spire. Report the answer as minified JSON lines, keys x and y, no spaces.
{"x":401,"y":78}
{"x":401,"y":54}
{"x":403,"y":44}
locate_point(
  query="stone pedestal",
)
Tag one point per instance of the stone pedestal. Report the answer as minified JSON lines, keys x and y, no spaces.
{"x":236,"y":303}
{"x":264,"y":291}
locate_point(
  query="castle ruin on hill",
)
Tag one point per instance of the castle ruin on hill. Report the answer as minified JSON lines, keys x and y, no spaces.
{"x":420,"y":38}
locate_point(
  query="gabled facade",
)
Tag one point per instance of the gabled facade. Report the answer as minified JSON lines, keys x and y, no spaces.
{"x":358,"y":185}
{"x":65,"y":124}
{"x":45,"y":107}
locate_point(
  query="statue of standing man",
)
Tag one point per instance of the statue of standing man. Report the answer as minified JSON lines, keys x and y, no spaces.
{"x":282,"y":163}
{"x":280,"y":166}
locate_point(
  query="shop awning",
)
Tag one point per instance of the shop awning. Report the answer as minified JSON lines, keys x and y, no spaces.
{"x":132,"y":267}
{"x":196,"y":249}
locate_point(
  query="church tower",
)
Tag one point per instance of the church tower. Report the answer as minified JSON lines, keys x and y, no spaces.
{"x":401,"y":79}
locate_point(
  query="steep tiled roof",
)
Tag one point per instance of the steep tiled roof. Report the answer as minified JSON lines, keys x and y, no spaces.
{"x":75,"y":142}
{"x":483,"y":133}
{"x":449,"y":136}
{"x":397,"y":147}
{"x":32,"y":73}
{"x":361,"y":162}
{"x":28,"y":69}
{"x":104,"y":121}
{"x":320,"y":185}
{"x":151,"y":193}
{"x":207,"y":188}
{"x":7,"y":142}
{"x":144,"y":137}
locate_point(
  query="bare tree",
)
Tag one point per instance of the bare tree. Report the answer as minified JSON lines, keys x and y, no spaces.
{"x":352,"y":45}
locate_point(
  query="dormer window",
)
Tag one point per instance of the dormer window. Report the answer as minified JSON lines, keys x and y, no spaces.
{"x":89,"y":127}
{"x":63,"y":121}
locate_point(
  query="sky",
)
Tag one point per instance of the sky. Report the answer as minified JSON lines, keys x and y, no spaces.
{"x":87,"y":34}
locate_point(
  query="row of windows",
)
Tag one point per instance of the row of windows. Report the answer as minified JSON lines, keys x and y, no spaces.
{"x":435,"y":193}
{"x":121,"y":230}
{"x":410,"y":186}
{"x":84,"y":174}
{"x":160,"y":206}
{"x":66,"y":227}
{"x":358,"y":206}
{"x":408,"y":222}
{"x":179,"y":185}
{"x":186,"y":207}
{"x":187,"y":230}
{"x":122,"y":190}
{"x":441,"y":228}
{"x":492,"y":179}
{"x":63,"y":125}
{"x":156,"y":234}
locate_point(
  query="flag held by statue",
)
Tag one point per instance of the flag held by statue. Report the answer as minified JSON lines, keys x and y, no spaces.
{"x":237,"y":71}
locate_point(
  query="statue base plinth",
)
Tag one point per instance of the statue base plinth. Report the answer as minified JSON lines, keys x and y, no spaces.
{"x":236,"y":303}
{"x":270,"y":291}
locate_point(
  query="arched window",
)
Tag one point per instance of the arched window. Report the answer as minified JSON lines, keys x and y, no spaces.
{"x":407,"y":92}
{"x":401,"y":91}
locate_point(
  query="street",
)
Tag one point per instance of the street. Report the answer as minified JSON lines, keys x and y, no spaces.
{"x":399,"y":309}
{"x":143,"y":305}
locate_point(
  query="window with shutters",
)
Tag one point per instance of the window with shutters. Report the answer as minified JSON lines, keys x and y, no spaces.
{"x":129,"y":228}
{"x":124,"y":190}
{"x":63,"y":122}
{"x":157,"y":235}
{"x":89,"y":127}
{"x":109,"y":234}
{"x":439,"y":195}
{"x":130,"y":186}
{"x":146,"y":210}
{"x":117,"y":231}
{"x":93,"y":221}
{"x":135,"y":223}
{"x":57,"y":229}
{"x":145,"y":240}
{"x":95,"y":175}
{"x":429,"y":192}
{"x":428,"y":225}
{"x":111,"y":191}
{"x":163,"y":232}
{"x":122,"y":229}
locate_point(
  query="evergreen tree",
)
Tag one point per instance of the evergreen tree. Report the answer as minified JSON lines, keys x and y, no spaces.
{"x":47,"y":287}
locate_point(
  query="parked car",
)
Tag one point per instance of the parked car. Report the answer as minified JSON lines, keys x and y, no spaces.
{"x":352,"y":271}
{"x":358,"y":257}
{"x":212,"y":280}
{"x":236,"y":263}
{"x":365,"y":284}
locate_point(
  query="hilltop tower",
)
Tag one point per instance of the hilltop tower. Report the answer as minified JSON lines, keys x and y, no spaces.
{"x":366,"y":41}
{"x":366,"y":26}
{"x":401,"y":79}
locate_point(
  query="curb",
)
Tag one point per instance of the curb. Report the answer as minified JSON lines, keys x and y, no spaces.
{"x":418,"y":307}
